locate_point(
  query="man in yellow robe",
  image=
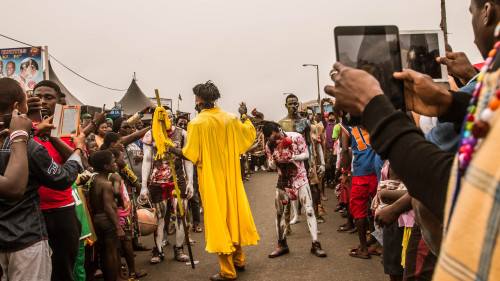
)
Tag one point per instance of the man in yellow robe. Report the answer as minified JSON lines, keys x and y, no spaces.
{"x":215,"y":141}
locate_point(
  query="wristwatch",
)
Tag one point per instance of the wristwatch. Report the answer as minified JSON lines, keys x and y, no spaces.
{"x":81,"y":150}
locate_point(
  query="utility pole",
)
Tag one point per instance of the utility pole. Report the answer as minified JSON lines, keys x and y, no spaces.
{"x":444,"y":25}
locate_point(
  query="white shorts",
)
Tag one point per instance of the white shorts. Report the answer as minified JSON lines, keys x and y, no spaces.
{"x":29,"y":264}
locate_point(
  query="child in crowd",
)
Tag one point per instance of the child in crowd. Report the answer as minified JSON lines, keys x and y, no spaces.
{"x":390,"y":188}
{"x":92,"y":147}
{"x":104,"y":207}
{"x":125,"y":215}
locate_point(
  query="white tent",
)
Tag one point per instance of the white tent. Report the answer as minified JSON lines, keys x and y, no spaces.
{"x":134,"y":99}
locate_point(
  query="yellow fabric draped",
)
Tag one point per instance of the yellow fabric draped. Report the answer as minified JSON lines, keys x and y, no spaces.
{"x":215,"y":141}
{"x":406,"y":239}
{"x":160,"y":137}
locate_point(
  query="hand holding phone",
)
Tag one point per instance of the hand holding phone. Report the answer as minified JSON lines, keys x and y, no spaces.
{"x":34,"y":103}
{"x":19,"y":122}
{"x":423,"y":95}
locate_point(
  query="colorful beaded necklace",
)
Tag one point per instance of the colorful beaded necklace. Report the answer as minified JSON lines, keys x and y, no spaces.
{"x":474,"y":131}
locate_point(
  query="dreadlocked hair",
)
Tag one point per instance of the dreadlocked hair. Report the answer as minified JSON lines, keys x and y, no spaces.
{"x":208,"y":92}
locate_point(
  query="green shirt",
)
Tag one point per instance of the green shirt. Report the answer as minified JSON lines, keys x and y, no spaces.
{"x":336,"y":131}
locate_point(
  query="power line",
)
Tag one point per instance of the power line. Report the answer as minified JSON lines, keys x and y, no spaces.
{"x":72,"y":71}
{"x":113,"y":89}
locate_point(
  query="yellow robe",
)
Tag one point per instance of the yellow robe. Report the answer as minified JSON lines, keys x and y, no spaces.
{"x":215,"y":141}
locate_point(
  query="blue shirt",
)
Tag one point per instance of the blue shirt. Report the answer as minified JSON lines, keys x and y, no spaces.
{"x":363,"y":153}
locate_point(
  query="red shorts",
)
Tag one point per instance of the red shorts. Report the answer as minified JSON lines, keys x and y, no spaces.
{"x":362,"y":189}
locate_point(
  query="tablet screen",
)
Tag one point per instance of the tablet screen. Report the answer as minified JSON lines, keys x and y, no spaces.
{"x":375,"y":50}
{"x":419,"y":50}
{"x":69,"y":122}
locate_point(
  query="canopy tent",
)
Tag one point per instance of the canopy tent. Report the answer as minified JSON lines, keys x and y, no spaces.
{"x":70,"y":99}
{"x":134,"y":99}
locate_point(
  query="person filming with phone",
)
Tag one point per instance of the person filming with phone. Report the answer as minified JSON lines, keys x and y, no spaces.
{"x":58,"y":206}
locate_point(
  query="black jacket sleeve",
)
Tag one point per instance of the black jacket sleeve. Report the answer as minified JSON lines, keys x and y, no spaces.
{"x":420,"y":164}
{"x":456,"y":112}
{"x":48,"y":172}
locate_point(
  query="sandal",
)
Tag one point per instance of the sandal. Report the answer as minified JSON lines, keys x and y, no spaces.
{"x":197,"y":229}
{"x":354,"y":253}
{"x":320,"y":219}
{"x":373,"y":251}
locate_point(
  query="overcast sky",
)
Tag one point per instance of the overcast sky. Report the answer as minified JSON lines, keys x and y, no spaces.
{"x":252,"y":50}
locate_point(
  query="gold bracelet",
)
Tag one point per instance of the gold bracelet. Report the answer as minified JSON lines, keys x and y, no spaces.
{"x":19,"y":140}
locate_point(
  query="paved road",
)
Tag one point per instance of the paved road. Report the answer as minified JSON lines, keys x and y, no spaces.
{"x":299,"y":264}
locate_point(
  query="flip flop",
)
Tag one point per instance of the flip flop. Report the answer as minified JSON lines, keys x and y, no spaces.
{"x":198,"y":229}
{"x":354,"y":253}
{"x":353,"y":231}
{"x":374,"y":252}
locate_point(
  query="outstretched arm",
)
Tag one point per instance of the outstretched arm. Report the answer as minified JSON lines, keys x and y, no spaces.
{"x":177,"y":152}
{"x":135,"y":136}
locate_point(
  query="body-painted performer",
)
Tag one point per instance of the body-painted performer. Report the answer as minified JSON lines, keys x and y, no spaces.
{"x":288,"y":152}
{"x":293,"y":122}
{"x":216,"y":139}
{"x":158,"y":182}
{"x":318,"y":167}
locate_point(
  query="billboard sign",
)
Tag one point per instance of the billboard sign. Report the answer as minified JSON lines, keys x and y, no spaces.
{"x":114,"y":113}
{"x":23,"y":65}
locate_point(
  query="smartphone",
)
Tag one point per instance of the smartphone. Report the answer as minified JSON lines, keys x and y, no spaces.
{"x":376,"y":50}
{"x":6,"y":120}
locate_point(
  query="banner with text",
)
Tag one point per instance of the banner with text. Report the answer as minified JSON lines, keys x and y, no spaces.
{"x":23,"y":65}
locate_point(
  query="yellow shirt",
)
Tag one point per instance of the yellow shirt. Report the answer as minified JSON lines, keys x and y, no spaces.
{"x":215,"y":141}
